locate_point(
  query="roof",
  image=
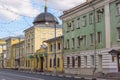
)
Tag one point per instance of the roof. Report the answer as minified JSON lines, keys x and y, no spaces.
{"x":52,"y":39}
{"x":78,"y":8}
{"x":45,"y":17}
{"x":114,"y":51}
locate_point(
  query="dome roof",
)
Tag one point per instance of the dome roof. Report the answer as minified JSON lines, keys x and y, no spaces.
{"x":45,"y":17}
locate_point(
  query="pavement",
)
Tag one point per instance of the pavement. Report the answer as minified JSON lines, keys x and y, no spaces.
{"x":28,"y":75}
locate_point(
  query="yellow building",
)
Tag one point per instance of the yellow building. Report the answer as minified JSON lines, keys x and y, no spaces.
{"x":2,"y":48}
{"x":55,"y":63}
{"x":9,"y":42}
{"x":41,"y":58}
{"x":43,"y":28}
{"x":18,"y":55}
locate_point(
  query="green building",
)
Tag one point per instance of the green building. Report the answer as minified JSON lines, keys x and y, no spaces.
{"x":91,"y":33}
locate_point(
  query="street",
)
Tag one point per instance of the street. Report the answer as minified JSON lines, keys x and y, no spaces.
{"x":16,"y":75}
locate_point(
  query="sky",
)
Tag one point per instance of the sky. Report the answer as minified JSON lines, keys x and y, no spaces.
{"x":18,"y":15}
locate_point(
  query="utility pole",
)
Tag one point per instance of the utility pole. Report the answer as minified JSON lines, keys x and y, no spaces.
{"x":19,"y":53}
{"x":55,"y":60}
{"x":2,"y":57}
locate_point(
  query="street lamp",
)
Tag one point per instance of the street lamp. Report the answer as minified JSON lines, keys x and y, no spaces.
{"x":55,"y":62}
{"x":2,"y":57}
{"x":19,"y":52}
{"x":94,"y":25}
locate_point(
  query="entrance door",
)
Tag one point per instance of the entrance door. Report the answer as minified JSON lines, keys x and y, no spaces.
{"x":42,"y":59}
{"x":118,"y":57}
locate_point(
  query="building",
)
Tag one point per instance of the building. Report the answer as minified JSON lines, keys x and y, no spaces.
{"x":9,"y":42}
{"x":91,"y":31}
{"x":18,"y":55}
{"x":41,"y":58}
{"x":43,"y":28}
{"x":55,"y":63}
{"x":2,"y":55}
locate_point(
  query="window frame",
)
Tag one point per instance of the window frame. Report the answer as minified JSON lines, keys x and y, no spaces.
{"x":68,"y":62}
{"x":91,"y":18}
{"x":84,"y":21}
{"x":118,"y":8}
{"x":73,"y":61}
{"x":99,"y":37}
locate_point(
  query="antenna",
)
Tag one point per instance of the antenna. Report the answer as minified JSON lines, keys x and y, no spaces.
{"x":45,"y":5}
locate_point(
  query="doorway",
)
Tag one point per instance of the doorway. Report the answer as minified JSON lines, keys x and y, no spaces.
{"x":42,"y":59}
{"x":118,"y":59}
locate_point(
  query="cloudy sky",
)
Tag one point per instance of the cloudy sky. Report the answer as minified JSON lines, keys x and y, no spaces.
{"x":17,"y":15}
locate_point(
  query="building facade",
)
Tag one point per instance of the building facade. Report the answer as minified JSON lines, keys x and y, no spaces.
{"x":89,"y":34}
{"x":18,"y":55}
{"x":55,"y":54}
{"x":9,"y":42}
{"x":41,"y":58}
{"x":43,"y":28}
{"x":2,"y":55}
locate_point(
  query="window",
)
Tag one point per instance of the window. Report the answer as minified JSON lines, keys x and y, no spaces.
{"x":84,"y":40}
{"x":73,"y":62}
{"x":32,"y":49}
{"x":73,"y":25}
{"x":68,"y":44}
{"x":79,"y":61}
{"x":54,"y":46}
{"x":84,"y":21}
{"x":91,"y":18}
{"x":78,"y":40}
{"x":85,"y":61}
{"x":118,"y":33}
{"x":59,"y":46}
{"x":98,"y":16}
{"x":78,"y":23}
{"x":118,"y":9}
{"x":73,"y":42}
{"x":54,"y":62}
{"x":51,"y":47}
{"x":92,"y":60}
{"x":92,"y":38}
{"x":58,"y":62}
{"x":50,"y":63}
{"x":68,"y":26}
{"x":68,"y":62}
{"x":99,"y":37}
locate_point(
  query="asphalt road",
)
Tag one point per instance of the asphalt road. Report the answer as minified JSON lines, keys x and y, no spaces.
{"x":16,"y":75}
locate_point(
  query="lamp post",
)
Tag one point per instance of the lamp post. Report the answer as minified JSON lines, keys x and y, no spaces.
{"x":55,"y":62}
{"x":94,"y":26}
{"x":90,"y":2}
{"x":2,"y":57}
{"x":19,"y":53}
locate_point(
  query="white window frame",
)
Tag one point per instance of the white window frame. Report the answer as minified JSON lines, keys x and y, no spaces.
{"x":118,"y":33}
{"x":84,"y":21}
{"x":92,"y":60}
{"x":118,"y":8}
{"x":78,"y":23}
{"x":85,"y":61}
{"x":91,"y":18}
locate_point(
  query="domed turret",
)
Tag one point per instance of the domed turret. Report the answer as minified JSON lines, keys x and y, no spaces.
{"x":45,"y":17}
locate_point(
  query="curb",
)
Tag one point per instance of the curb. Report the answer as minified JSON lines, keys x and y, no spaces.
{"x":59,"y":75}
